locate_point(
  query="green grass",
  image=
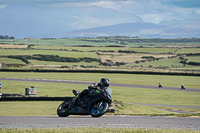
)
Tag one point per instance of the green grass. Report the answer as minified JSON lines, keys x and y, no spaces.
{"x":139,"y":79}
{"x":59,"y":64}
{"x":124,"y":94}
{"x":29,"y":108}
{"x":81,"y":48}
{"x":128,"y":95}
{"x":52,"y":42}
{"x":152,"y":96}
{"x":7,"y":52}
{"x":69,"y":44}
{"x":128,"y":58}
{"x":98,"y":130}
{"x":43,"y":89}
{"x":41,"y":108}
{"x":11,"y":61}
{"x":88,"y":41}
{"x":154,"y":50}
{"x":137,"y":110}
{"x":189,"y":50}
{"x":194,"y":58}
{"x":187,"y":68}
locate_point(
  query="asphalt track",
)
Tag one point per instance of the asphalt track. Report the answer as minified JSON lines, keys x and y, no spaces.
{"x":106,"y":121}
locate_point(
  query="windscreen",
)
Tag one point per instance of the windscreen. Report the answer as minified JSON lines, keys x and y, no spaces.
{"x":108,"y":89}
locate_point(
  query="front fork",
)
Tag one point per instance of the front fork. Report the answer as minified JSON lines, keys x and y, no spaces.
{"x":98,"y":106}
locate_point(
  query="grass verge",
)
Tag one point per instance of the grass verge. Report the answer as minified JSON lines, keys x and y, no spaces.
{"x":138,"y":79}
{"x":41,"y":108}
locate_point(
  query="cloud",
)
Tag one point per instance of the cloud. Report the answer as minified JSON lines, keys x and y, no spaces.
{"x":156,"y":11}
{"x":153,"y":11}
{"x":3,"y":6}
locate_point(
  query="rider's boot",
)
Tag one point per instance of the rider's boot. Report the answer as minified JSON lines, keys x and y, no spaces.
{"x":74,"y":100}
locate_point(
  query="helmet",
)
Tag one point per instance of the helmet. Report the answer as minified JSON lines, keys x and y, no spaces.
{"x":105,"y":82}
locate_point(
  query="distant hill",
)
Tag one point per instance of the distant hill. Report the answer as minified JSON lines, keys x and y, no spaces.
{"x":143,"y":30}
{"x":23,"y":21}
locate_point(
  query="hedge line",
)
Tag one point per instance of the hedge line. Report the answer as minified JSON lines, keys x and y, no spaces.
{"x":35,"y":98}
{"x":54,"y":58}
{"x":103,"y":71}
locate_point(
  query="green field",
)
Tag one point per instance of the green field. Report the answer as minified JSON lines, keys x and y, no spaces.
{"x":11,"y":61}
{"x":48,"y":64}
{"x":131,"y":42}
{"x":194,"y":59}
{"x":46,"y":52}
{"x":115,"y":53}
{"x":86,"y":49}
{"x":51,"y":42}
{"x":189,"y":50}
{"x":154,"y":50}
{"x":104,"y":57}
{"x":138,"y":79}
{"x":127,"y":95}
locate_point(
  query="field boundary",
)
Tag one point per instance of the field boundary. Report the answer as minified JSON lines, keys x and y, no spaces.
{"x":3,"y":98}
{"x":104,"y":71}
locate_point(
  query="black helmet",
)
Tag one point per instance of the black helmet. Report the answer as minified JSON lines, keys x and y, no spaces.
{"x":105,"y":82}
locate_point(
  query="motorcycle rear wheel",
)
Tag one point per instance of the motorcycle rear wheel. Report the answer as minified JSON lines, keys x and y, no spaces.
{"x":98,"y":111}
{"x":63,"y":109}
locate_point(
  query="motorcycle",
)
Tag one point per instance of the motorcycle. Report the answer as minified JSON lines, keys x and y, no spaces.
{"x":95,"y":104}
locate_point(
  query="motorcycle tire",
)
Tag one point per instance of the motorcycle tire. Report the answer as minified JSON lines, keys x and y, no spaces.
{"x":97,"y":112}
{"x":63,"y":110}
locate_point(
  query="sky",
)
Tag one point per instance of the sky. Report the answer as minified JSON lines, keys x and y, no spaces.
{"x":154,"y":11}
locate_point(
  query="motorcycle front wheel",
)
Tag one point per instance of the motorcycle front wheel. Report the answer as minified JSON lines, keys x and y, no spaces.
{"x":99,"y":109}
{"x":63,"y":109}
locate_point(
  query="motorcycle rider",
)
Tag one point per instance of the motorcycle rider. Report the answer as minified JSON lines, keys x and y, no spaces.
{"x":93,"y":88}
{"x":159,"y":85}
{"x":182,"y":86}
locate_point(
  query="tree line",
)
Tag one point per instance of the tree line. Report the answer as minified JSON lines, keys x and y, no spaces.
{"x":6,"y":37}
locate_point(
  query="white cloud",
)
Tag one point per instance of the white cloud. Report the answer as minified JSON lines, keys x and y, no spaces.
{"x":198,"y":11}
{"x":3,"y":6}
{"x":153,"y":11}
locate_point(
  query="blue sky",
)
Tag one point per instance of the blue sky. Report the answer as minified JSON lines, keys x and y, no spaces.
{"x":153,"y":11}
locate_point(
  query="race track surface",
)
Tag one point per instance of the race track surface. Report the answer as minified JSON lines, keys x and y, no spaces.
{"x":104,"y":122}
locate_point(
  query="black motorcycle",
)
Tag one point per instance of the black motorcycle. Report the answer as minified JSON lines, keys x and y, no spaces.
{"x":95,"y":104}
